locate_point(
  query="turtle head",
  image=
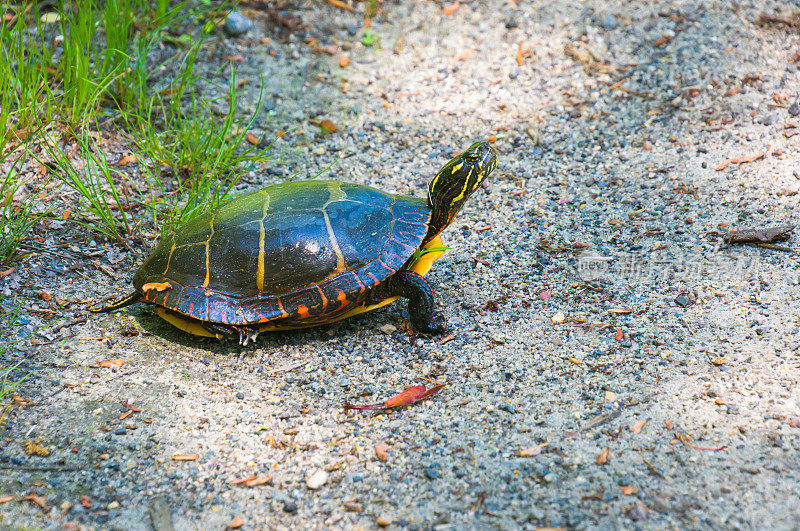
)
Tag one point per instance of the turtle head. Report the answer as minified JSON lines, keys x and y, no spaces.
{"x":452,"y":186}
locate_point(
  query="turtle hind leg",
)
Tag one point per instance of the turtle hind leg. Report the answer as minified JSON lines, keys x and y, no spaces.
{"x":421,"y":305}
{"x":127,"y":301}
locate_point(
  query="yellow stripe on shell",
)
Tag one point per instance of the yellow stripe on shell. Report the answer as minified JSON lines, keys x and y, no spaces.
{"x":261,"y":236}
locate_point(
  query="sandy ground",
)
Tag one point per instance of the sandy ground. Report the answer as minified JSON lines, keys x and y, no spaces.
{"x":598,"y":321}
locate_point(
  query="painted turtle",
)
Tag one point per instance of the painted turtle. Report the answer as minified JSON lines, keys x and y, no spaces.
{"x":302,"y":254}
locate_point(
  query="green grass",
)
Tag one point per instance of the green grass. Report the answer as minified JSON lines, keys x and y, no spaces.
{"x":8,"y":382}
{"x":17,"y":217}
{"x":190,"y":157}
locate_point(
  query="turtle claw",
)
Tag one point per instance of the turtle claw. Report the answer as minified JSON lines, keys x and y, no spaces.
{"x":435,"y":326}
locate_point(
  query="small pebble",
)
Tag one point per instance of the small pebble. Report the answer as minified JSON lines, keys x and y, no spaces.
{"x":237,"y":24}
{"x":558,"y":318}
{"x":317,"y":479}
{"x":384,"y":520}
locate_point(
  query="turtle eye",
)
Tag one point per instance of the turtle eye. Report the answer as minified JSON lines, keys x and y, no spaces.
{"x":472,"y":157}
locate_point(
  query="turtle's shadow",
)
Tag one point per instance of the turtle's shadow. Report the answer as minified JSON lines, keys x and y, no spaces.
{"x":154,"y":325}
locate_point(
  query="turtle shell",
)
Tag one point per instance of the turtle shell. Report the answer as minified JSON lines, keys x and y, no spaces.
{"x":300,"y":252}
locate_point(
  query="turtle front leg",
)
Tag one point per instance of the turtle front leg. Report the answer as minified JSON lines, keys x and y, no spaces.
{"x":421,"y":306}
{"x":245,"y":333}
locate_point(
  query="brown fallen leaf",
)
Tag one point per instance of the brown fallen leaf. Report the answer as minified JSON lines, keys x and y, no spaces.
{"x":765,"y":235}
{"x":85,"y":500}
{"x":185,"y":457}
{"x":522,"y":53}
{"x":638,"y":425}
{"x":381,"y":451}
{"x":252,"y":481}
{"x":617,"y":311}
{"x":532,"y":451}
{"x":236,"y":523}
{"x":451,"y":8}
{"x":684,"y":439}
{"x":718,"y":361}
{"x":603,"y":457}
{"x":111,"y":364}
{"x":447,"y":338}
{"x":740,"y":160}
{"x":4,"y":274}
{"x":251,"y":139}
{"x":409,"y":396}
{"x":46,"y":295}
{"x":327,"y":126}
{"x":41,"y":501}
{"x":126,"y":160}
{"x":668,"y":425}
{"x":627,"y":490}
{"x":6,"y":499}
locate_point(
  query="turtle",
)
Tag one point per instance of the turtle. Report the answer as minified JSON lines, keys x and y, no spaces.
{"x":306,"y":253}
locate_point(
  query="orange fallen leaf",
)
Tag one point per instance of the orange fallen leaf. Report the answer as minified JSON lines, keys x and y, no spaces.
{"x":342,"y":5}
{"x":111,"y":364}
{"x":158,"y":286}
{"x":126,"y":160}
{"x":327,"y":126}
{"x":409,"y":396}
{"x":668,"y":424}
{"x":85,"y":500}
{"x":236,"y":523}
{"x":451,"y":8}
{"x":41,"y":501}
{"x":732,"y":91}
{"x":46,"y":295}
{"x":532,"y":451}
{"x":603,"y":457}
{"x":280,"y":134}
{"x":619,"y":335}
{"x":330,"y":49}
{"x":6,"y":499}
{"x":663,"y":40}
{"x":381,"y":451}
{"x":638,"y":425}
{"x":740,"y":160}
{"x":251,"y":139}
{"x":627,"y":490}
{"x":718,"y":361}
{"x":252,"y":481}
{"x":521,"y":53}
{"x":185,"y":457}
{"x":66,"y":214}
{"x":344,"y":61}
{"x":4,"y":274}
{"x":447,"y":338}
{"x":492,"y":139}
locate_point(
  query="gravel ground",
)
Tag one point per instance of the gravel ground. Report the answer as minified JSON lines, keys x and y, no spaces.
{"x":598,"y":321}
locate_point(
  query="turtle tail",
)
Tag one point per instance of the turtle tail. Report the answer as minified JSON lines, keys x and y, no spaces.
{"x":127,"y":301}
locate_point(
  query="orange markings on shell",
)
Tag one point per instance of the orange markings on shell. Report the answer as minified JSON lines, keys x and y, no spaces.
{"x":158,"y":286}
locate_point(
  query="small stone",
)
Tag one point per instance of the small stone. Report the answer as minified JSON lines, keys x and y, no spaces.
{"x":610,"y":22}
{"x":237,"y":24}
{"x":317,"y":479}
{"x":290,"y":507}
{"x":66,"y":506}
{"x":432,"y":471}
{"x":511,"y":24}
{"x":683,"y":301}
{"x":113,"y":505}
{"x":120,"y":431}
{"x":558,"y":318}
{"x":384,"y":520}
{"x":794,"y":108}
{"x":388,"y":329}
{"x":769,"y":119}
{"x":240,"y":395}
